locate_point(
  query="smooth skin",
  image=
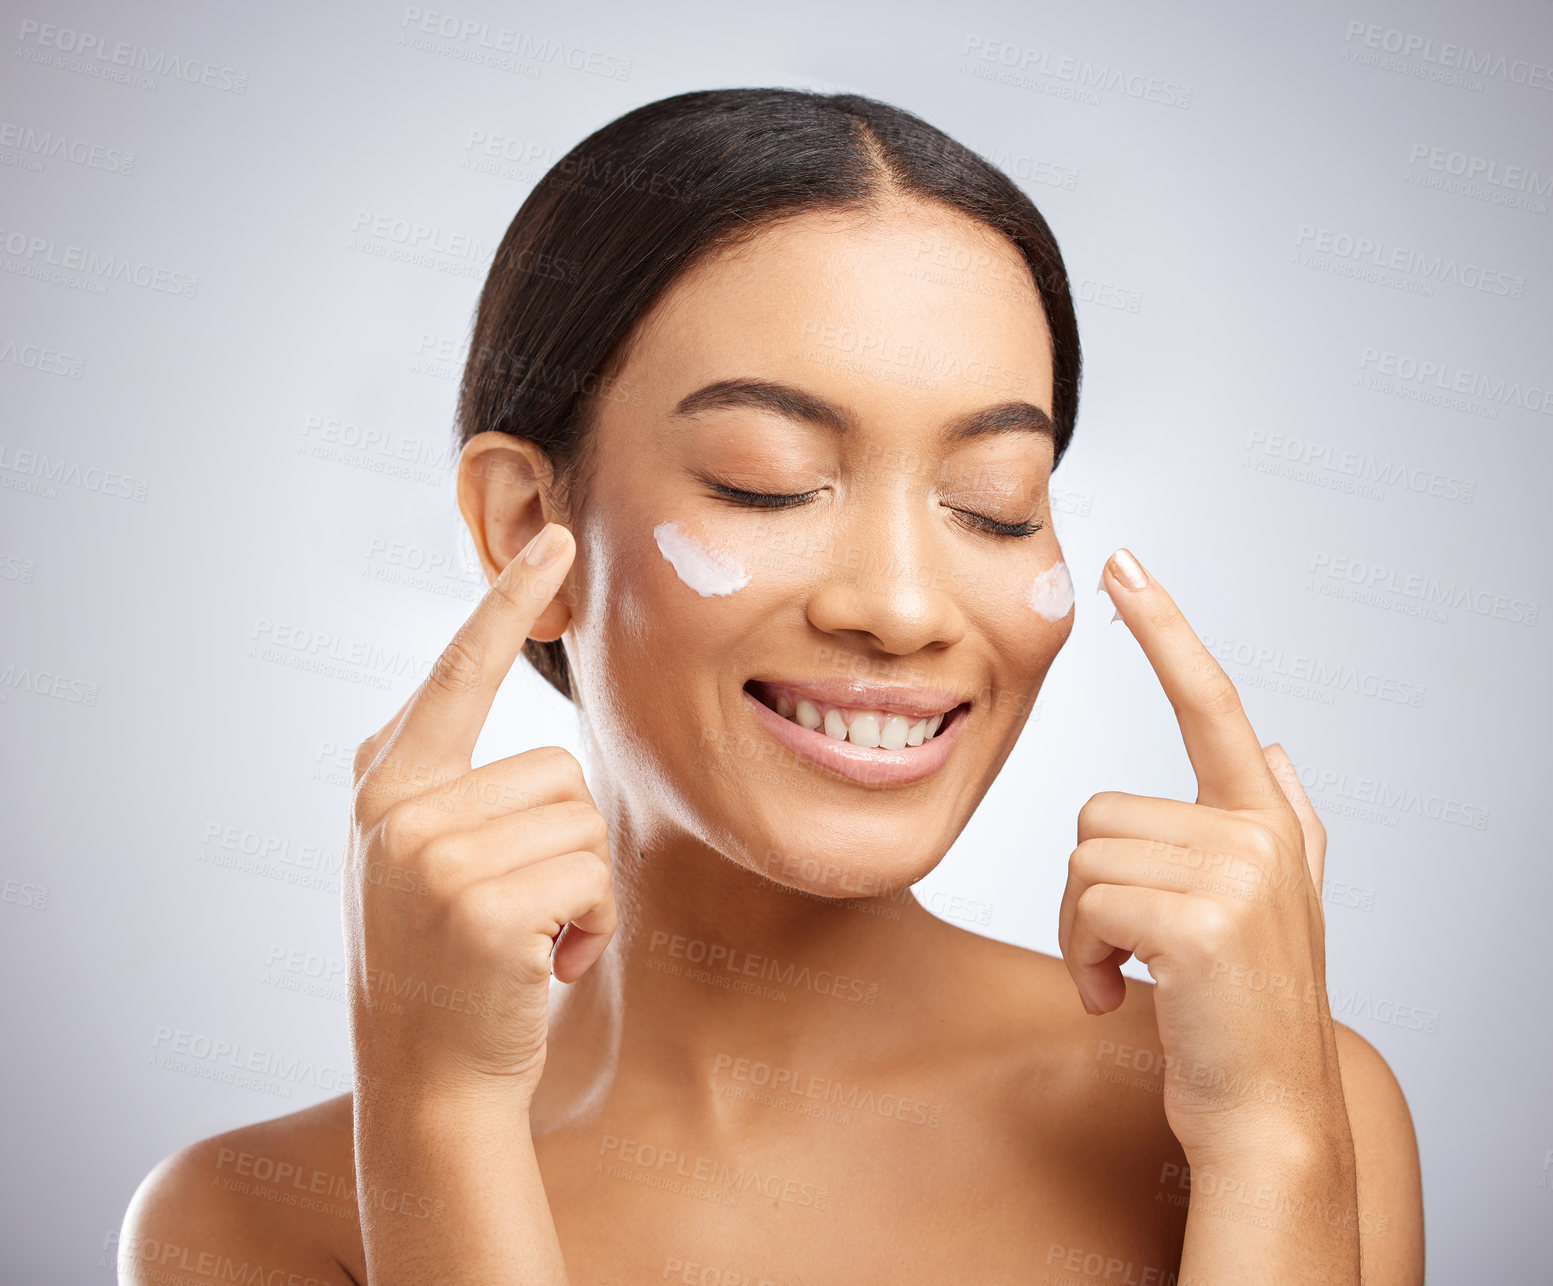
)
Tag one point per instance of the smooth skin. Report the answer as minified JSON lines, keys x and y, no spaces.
{"x":763,"y":1059}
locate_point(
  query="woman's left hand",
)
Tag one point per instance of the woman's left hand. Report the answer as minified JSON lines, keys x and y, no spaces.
{"x":1221,"y":900}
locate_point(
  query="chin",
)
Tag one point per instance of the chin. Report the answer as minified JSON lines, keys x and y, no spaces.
{"x":845,"y":859}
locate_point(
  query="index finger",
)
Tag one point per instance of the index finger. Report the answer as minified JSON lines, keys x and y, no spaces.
{"x":1225,"y":753}
{"x":450,"y":707}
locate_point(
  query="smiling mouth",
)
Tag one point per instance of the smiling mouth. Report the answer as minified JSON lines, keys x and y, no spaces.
{"x":858,"y":726}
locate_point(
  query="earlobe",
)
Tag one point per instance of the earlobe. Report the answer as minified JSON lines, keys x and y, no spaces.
{"x":555,"y":619}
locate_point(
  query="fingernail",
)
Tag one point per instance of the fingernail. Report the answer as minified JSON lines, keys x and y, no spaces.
{"x":1128,"y":569}
{"x":545,"y":548}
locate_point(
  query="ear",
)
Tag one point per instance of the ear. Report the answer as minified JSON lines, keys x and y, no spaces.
{"x":503,"y":489}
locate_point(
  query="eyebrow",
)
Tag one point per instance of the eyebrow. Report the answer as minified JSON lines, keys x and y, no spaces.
{"x":806,"y":408}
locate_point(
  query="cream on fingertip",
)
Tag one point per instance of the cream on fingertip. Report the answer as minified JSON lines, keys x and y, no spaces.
{"x":1116,"y":612}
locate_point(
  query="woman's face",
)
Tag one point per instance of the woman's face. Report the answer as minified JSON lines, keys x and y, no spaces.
{"x":837,"y":360}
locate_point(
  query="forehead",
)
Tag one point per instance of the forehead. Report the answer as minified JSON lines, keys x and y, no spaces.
{"x":907,"y":305}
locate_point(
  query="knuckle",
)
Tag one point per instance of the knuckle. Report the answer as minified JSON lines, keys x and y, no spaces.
{"x":594,"y":875}
{"x":597,"y":829}
{"x":574,"y":812}
{"x":1220,"y":697}
{"x":1257,"y":842}
{"x":402,"y":830}
{"x":1090,"y":902}
{"x":456,"y":670}
{"x":1096,"y":808}
{"x":1081,"y":861}
{"x":575,"y":824}
{"x":569,"y":766}
{"x":1204,"y":667}
{"x":435,"y":857}
{"x":1164,"y":616}
{"x":391,"y":829}
{"x":559,"y":763}
{"x":512,"y":593}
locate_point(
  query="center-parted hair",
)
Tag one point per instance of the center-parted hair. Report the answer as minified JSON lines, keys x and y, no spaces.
{"x":635,"y":204}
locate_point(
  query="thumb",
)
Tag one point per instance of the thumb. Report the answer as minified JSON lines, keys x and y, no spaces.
{"x":1315,"y":833}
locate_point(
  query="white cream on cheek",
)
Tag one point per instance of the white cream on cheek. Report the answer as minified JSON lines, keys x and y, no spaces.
{"x":1052,"y":594}
{"x":706,"y":571}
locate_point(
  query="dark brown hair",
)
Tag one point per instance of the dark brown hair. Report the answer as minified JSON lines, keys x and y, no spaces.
{"x":637,"y":202}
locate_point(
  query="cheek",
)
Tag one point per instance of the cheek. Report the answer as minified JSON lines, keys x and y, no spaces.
{"x":1051,"y":594}
{"x":664,"y":590}
{"x":1025,"y":609}
{"x":710,"y":571}
{"x":1019,"y":587}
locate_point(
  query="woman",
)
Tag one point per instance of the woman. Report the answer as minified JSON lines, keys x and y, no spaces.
{"x":763,"y":400}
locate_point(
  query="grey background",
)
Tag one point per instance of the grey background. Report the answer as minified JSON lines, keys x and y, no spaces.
{"x":206,"y":603}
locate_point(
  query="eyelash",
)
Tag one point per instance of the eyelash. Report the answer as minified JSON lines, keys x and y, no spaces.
{"x":764,"y":500}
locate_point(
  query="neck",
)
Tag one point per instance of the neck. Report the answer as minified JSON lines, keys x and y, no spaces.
{"x":718,"y":972}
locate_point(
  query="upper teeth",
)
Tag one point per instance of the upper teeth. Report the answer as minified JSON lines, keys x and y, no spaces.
{"x":871,"y":728}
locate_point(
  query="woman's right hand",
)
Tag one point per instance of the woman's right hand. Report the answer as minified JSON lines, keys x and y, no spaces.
{"x":458,"y":881}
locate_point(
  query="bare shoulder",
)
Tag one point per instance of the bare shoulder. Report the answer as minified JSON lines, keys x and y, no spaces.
{"x":1074,"y":1124}
{"x":277,"y":1196}
{"x":1028,"y":998}
{"x":1391,"y":1212}
{"x":1108,"y":1074}
{"x":1104,"y":1072}
{"x":1377,"y":1108}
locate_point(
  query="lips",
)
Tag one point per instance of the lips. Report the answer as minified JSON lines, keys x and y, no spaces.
{"x":867,"y":733}
{"x":887,"y":718}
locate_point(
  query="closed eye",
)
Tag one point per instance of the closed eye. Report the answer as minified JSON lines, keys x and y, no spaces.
{"x":1002,"y":528}
{"x":778,"y":500}
{"x":762,"y":499}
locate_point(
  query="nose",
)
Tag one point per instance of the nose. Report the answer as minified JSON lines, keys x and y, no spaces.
{"x":891,"y":580}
